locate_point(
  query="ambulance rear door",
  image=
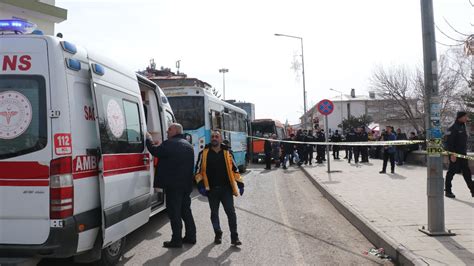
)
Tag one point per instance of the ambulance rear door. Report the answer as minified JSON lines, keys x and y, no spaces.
{"x":25,"y":144}
{"x":124,"y":164}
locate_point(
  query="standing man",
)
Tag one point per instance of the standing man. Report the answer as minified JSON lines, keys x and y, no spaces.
{"x":276,"y":150}
{"x":400,"y":150}
{"x":389,"y":151}
{"x":310,"y":147}
{"x":364,"y":152}
{"x":320,"y":137}
{"x":174,"y":174}
{"x":288,"y":150}
{"x":267,"y":149}
{"x":350,"y":137}
{"x":335,"y":148}
{"x":457,"y":143}
{"x":218,"y":178}
{"x":300,"y":147}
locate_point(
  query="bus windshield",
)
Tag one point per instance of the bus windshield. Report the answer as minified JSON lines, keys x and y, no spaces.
{"x":188,"y":111}
{"x":260,"y":129}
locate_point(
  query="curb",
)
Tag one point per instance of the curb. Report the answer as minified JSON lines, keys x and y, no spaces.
{"x":400,"y":254}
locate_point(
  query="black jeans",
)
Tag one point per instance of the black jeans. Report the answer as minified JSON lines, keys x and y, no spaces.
{"x":357,"y":151}
{"x":461,"y":165}
{"x":335,"y":151}
{"x":349,"y":154}
{"x":388,"y":155}
{"x":216,"y":196}
{"x":178,"y":205}
{"x":365,"y":154}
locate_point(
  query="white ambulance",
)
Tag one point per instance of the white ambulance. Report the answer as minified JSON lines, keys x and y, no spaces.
{"x":75,"y":175}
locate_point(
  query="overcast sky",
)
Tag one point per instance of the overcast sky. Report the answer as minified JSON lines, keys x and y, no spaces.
{"x":343,"y":42}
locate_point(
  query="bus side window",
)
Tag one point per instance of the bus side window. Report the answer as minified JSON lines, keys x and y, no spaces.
{"x":216,"y":120}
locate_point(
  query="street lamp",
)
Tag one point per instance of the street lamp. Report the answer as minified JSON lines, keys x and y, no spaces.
{"x":302,"y":70}
{"x":342,"y":113}
{"x":223,"y":71}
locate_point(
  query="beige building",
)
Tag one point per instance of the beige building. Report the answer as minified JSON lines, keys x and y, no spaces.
{"x":43,"y":13}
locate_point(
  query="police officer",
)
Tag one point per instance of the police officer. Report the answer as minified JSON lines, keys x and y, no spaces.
{"x":336,"y":137}
{"x":310,"y":147}
{"x":350,"y":137}
{"x":457,"y":143}
{"x":300,"y":147}
{"x":320,"y":148}
{"x":364,"y":152}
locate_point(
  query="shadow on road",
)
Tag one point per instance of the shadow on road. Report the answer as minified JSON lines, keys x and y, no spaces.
{"x":308,"y":235}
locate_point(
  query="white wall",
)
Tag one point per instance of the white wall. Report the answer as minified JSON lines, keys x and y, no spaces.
{"x":7,"y":12}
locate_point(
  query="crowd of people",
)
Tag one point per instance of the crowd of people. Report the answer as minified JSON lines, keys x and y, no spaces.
{"x":284,"y":153}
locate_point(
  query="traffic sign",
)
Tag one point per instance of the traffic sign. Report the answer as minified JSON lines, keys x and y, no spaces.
{"x":325,"y":107}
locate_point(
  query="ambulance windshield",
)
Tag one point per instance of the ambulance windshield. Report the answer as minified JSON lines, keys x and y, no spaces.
{"x":23,"y":126}
{"x":188,"y":111}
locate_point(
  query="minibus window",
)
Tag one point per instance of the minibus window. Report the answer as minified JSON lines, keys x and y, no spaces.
{"x":23,"y":122}
{"x":188,"y":111}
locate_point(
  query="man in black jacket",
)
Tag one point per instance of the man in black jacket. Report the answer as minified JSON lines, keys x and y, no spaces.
{"x":267,"y":149}
{"x":335,"y":148}
{"x":174,"y":174}
{"x":457,"y":143}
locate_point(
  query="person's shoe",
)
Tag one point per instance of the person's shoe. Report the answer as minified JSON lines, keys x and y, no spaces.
{"x":472,"y":194}
{"x":393,"y":171}
{"x":187,"y":240}
{"x":284,"y":168}
{"x":218,"y":238}
{"x":172,"y":244}
{"x":382,"y":172}
{"x":450,"y":194}
{"x":236,"y":242}
{"x":267,"y":168}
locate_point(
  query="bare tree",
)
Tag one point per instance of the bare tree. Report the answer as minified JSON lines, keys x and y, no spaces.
{"x":216,"y":92}
{"x":395,"y":84}
{"x":406,"y":88}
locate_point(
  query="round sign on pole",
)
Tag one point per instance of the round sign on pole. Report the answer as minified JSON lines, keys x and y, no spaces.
{"x":325,"y":107}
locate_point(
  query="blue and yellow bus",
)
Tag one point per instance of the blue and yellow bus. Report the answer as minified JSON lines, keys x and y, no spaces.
{"x":199,"y":111}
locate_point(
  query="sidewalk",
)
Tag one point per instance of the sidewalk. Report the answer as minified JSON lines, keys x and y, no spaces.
{"x":394,"y":206}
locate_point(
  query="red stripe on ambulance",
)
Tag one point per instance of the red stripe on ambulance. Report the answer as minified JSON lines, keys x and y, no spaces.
{"x":23,"y":170}
{"x":125,"y":163}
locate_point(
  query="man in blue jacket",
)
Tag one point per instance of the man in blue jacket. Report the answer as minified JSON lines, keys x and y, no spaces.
{"x":174,"y":174}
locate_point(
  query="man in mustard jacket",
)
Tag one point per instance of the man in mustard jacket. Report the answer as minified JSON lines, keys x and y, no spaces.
{"x":218,"y":178}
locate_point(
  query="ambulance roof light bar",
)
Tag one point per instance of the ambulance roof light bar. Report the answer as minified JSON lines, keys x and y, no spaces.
{"x":16,"y":26}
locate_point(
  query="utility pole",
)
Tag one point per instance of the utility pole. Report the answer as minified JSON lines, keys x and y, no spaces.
{"x":435,"y":181}
{"x":223,"y":71}
{"x":302,"y":72}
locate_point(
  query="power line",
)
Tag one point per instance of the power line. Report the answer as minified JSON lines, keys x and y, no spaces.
{"x":467,"y":35}
{"x":448,"y":35}
{"x":449,"y":45}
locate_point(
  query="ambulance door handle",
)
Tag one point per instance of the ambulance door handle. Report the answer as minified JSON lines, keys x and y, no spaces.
{"x":145,"y":160}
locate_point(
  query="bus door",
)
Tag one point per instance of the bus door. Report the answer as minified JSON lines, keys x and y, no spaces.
{"x":124,"y":164}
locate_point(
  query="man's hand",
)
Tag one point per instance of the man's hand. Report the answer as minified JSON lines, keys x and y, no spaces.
{"x":453,"y":158}
{"x":148,"y":136}
{"x":202,"y":190}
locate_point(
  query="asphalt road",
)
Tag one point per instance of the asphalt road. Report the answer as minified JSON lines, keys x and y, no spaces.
{"x":282,"y":220}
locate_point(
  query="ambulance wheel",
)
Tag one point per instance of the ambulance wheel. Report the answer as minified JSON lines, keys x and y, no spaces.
{"x":111,"y":254}
{"x":242,"y":169}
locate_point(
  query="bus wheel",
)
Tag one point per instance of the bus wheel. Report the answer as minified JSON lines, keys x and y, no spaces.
{"x":242,"y":169}
{"x":255,"y":160}
{"x":111,"y":254}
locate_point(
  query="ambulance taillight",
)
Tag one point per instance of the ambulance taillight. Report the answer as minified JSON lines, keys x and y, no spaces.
{"x":61,"y":188}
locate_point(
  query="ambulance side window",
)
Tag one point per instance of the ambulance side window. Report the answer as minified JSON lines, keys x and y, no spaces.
{"x":120,"y":124}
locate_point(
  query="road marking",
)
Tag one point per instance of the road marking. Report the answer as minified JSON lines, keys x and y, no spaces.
{"x":292,"y":242}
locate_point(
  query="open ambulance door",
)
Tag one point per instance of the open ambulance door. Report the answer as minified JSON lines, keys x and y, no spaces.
{"x":124,"y":164}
